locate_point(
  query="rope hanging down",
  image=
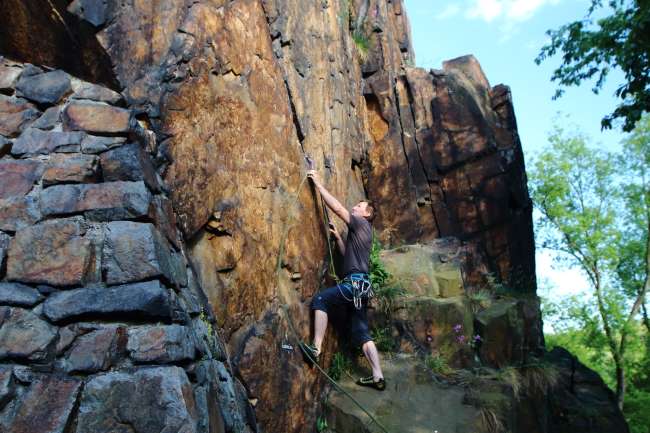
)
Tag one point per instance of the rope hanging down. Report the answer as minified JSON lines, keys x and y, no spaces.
{"x":285,"y":307}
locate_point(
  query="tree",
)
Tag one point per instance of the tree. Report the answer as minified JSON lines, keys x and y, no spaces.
{"x":585,"y":207}
{"x":591,"y":48}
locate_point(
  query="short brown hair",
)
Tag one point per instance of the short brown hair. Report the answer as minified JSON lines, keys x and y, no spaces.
{"x":371,"y":210}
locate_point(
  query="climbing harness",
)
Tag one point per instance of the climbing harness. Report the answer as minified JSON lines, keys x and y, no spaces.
{"x":360,"y":287}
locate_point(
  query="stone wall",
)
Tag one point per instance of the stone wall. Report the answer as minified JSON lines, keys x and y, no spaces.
{"x":103,"y":326}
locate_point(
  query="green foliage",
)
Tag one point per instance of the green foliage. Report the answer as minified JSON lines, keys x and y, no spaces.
{"x":513,"y":377}
{"x":438,"y":364}
{"x":204,"y":318}
{"x":362,"y":42}
{"x":591,"y":48}
{"x":340,"y":364}
{"x":594,"y":208}
{"x":321,"y":424}
{"x":385,"y":294}
{"x":383,"y":339}
{"x":479,"y":300}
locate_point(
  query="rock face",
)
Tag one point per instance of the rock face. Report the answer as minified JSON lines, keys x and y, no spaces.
{"x":150,"y":219}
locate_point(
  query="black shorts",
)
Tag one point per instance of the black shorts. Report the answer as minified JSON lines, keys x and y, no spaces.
{"x":332,"y":299}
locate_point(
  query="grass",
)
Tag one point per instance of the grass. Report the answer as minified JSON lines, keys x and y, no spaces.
{"x":490,"y":422}
{"x":513,"y":377}
{"x":479,"y":300}
{"x":340,"y":364}
{"x":362,"y":43}
{"x":540,"y":377}
{"x":438,"y":364}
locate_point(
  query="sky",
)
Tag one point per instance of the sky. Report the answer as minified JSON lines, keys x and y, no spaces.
{"x":506,"y":36}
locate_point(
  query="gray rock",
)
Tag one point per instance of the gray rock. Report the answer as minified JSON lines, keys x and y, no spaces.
{"x":46,"y":88}
{"x":96,"y":117}
{"x":150,"y":400}
{"x":19,"y":213}
{"x":102,"y":201}
{"x":23,"y":335}
{"x":45,"y":407}
{"x":37,"y":142}
{"x":19,"y":295}
{"x":9,"y":75}
{"x":92,"y":11}
{"x":98,"y":350}
{"x":53,"y":252}
{"x":142,"y":300}
{"x":160,"y":344}
{"x":135,"y":251}
{"x":96,"y":144}
{"x":48,"y":119}
{"x":129,"y":162}
{"x":7,"y":386}
{"x":94,"y":92}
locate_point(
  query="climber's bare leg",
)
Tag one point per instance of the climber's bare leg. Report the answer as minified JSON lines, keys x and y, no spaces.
{"x":320,"y":326}
{"x":370,"y":350}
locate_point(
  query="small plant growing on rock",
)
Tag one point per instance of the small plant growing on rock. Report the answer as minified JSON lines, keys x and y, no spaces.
{"x":540,"y":377}
{"x":461,"y":339}
{"x":362,"y":42}
{"x":321,"y":424}
{"x":385,"y":294}
{"x":340,"y":364}
{"x":479,"y":300}
{"x":438,"y":364}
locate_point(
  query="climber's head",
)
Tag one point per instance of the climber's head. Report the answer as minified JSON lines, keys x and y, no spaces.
{"x":364,"y":209}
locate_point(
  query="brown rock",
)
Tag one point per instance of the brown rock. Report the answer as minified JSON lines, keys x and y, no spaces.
{"x":62,"y":168}
{"x":53,"y":252}
{"x":102,"y":201}
{"x":161,"y":344}
{"x":23,"y":335}
{"x":18,"y":213}
{"x":46,"y":407}
{"x":15,"y":115}
{"x":95,"y":144}
{"x":18,"y":177}
{"x":35,"y":141}
{"x":95,"y":117}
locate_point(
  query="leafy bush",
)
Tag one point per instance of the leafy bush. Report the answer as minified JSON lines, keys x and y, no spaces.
{"x":438,"y":364}
{"x":379,"y":276}
{"x":383,"y":339}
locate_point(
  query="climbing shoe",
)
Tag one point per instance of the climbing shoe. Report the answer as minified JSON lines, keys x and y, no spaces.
{"x":310,"y":352}
{"x":370,"y":382}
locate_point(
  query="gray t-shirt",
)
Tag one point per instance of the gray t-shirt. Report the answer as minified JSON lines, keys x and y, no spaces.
{"x":357,"y":246}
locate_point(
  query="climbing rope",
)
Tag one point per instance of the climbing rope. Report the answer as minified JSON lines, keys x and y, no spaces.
{"x":285,"y":308}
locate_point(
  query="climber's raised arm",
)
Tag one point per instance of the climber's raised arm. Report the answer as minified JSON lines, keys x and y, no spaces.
{"x":330,"y":200}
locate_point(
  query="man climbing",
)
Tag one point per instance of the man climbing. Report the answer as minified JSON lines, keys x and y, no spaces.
{"x":353,"y":291}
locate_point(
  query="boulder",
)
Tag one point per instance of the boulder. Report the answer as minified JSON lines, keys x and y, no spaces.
{"x":161,"y":344}
{"x":38,"y":142}
{"x":9,"y":73}
{"x":143,"y":300}
{"x":19,"y":295}
{"x":413,"y":402}
{"x":100,"y":202}
{"x":46,"y":406}
{"x":135,"y":251}
{"x":71,"y":168}
{"x":45,"y":88}
{"x":502,"y":329}
{"x":15,"y":115}
{"x":53,"y":252}
{"x":96,"y":117}
{"x":18,"y":177}
{"x":96,"y":351}
{"x":98,"y":144}
{"x":24,"y":335}
{"x":149,"y":400}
